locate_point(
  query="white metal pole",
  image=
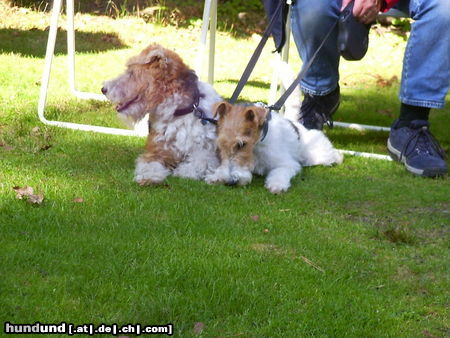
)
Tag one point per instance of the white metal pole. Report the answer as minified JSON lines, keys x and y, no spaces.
{"x":49,"y":58}
{"x":203,"y":36}
{"x":285,"y":50}
{"x":367,"y":155}
{"x":71,"y":56}
{"x":278,"y":58}
{"x":358,"y":126}
{"x":275,"y":79}
{"x":71,"y":44}
{"x":212,"y":41}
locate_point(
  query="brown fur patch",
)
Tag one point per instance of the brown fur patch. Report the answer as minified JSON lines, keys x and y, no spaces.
{"x":157,"y":152}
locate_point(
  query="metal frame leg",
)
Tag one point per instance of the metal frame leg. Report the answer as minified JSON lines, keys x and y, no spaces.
{"x":203,"y":36}
{"x":71,"y":60}
{"x":71,"y":56}
{"x":283,"y":56}
{"x":209,"y":22}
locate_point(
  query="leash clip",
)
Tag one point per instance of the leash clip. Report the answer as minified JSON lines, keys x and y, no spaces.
{"x":201,"y":115}
{"x":198,"y":113}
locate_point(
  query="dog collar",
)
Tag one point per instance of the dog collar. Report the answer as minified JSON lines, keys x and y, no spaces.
{"x":265,"y":126}
{"x":195,"y":108}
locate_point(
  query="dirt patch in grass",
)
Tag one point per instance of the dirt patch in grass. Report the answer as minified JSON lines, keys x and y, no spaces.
{"x":265,"y":247}
{"x":405,"y":226}
{"x":396,"y":234}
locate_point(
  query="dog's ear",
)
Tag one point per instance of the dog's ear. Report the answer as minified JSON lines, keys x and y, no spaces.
{"x":157,"y":56}
{"x":255,"y":113}
{"x":221,"y":109}
{"x":149,"y":56}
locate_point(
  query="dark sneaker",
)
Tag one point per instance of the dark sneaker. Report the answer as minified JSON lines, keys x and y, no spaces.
{"x":417,"y":149}
{"x":317,"y":110}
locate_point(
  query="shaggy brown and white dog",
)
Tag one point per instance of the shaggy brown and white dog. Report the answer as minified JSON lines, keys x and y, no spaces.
{"x":181,"y":141}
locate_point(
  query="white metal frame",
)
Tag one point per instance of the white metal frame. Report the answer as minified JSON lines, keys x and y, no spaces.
{"x":71,"y":71}
{"x":209,"y":24}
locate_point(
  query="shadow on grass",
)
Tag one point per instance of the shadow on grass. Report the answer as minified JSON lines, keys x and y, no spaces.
{"x":349,"y":137}
{"x":33,"y":42}
{"x":81,"y":155}
{"x":101,"y":113}
{"x":254,"y":84}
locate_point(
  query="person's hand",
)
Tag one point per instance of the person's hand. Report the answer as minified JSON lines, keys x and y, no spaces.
{"x":365,"y":11}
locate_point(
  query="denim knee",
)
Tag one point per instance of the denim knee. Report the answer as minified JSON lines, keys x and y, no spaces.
{"x":437,"y":11}
{"x":312,"y":13}
{"x":311,"y":20}
{"x":426,"y":66}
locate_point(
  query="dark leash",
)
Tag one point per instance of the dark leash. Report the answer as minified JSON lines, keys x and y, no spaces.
{"x":254,"y":59}
{"x":256,"y":54}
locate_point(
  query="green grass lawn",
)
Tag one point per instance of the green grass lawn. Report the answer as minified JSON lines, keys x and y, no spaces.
{"x":358,"y":250}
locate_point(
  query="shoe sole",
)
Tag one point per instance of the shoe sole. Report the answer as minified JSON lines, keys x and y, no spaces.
{"x":429,"y":172}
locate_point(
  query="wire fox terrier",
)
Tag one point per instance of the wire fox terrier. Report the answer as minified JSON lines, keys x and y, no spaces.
{"x":181,"y":141}
{"x":252,"y":139}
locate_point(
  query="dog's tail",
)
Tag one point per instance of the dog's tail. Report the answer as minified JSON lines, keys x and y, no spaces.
{"x":317,"y":148}
{"x":293,"y":102}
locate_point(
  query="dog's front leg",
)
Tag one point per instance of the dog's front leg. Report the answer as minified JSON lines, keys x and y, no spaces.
{"x":197,"y":165}
{"x":221,"y":174}
{"x":148,"y":173}
{"x":278,"y":179}
{"x":155,"y":164}
{"x":230,"y":174}
{"x":240,"y":175}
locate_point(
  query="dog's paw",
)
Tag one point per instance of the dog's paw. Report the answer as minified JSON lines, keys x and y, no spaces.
{"x":240,"y":176}
{"x":148,"y":173}
{"x":277,"y":184}
{"x":276,"y":188}
{"x":214,"y":179}
{"x":146,"y":182}
{"x":220,"y":175}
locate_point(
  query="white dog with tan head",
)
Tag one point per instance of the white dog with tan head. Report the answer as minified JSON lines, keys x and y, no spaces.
{"x":251,"y":139}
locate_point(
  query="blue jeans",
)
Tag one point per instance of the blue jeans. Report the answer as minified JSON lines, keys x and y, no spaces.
{"x":426,"y":64}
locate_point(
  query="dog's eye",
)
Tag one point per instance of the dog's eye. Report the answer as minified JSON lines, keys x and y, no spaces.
{"x":240,"y":145}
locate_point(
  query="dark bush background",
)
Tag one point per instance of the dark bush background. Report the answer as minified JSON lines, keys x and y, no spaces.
{"x":240,"y":17}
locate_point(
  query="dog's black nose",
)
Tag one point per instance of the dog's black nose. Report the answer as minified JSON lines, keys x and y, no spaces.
{"x":104,"y":90}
